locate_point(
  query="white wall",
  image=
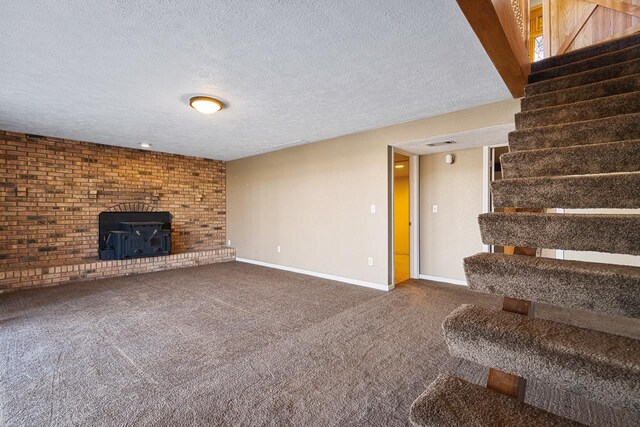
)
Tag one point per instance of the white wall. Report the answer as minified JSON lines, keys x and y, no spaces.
{"x":451,"y":234}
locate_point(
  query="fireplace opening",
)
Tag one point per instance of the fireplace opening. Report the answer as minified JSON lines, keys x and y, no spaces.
{"x":124,"y":235}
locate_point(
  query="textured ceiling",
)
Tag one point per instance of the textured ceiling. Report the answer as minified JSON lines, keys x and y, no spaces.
{"x":121,"y":72}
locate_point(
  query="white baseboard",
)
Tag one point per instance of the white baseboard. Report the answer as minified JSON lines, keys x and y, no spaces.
{"x":321,"y":275}
{"x":443,"y":279}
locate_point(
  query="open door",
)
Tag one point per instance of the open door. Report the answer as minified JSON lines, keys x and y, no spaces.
{"x":401,"y":218}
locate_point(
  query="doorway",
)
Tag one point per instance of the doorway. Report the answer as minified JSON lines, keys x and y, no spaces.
{"x":401,"y":218}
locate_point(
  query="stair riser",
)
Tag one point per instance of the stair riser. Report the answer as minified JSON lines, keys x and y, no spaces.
{"x":585,"y":53}
{"x":581,"y":160}
{"x":628,"y":103}
{"x":586,"y":65}
{"x":583,"y":93}
{"x":588,"y":77}
{"x":557,"y":354}
{"x":618,"y":128}
{"x":601,"y":233}
{"x":617,"y":191}
{"x":604,"y":288}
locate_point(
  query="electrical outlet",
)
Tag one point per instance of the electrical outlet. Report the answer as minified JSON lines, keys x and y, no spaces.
{"x":370,"y":261}
{"x":228,"y":242}
{"x":278,"y":248}
{"x":434,"y":208}
{"x":373,"y":209}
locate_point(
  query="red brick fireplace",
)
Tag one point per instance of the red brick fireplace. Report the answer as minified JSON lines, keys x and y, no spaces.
{"x":52,"y":191}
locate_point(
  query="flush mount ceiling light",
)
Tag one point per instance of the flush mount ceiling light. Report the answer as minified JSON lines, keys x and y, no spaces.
{"x":145,"y":145}
{"x":205,"y":104}
{"x":437,"y":144}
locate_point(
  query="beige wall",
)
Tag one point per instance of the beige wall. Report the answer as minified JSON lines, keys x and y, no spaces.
{"x":451,"y":234}
{"x":314,"y":200}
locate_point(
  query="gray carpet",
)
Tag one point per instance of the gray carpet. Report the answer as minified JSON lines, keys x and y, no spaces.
{"x":587,"y":64}
{"x":607,"y":190}
{"x":621,"y":156}
{"x":237,"y":344}
{"x":451,"y":401}
{"x":618,"y":234}
{"x":592,"y":109}
{"x":607,"y":288}
{"x":602,"y":366}
{"x":585,"y":78}
{"x":614,"y":86}
{"x":625,"y":127}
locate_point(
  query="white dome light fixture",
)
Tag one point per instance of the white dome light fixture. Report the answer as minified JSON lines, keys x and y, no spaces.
{"x":205,"y":104}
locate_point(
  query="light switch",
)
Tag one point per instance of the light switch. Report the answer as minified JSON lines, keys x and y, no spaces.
{"x":434,"y":208}
{"x":373,"y":208}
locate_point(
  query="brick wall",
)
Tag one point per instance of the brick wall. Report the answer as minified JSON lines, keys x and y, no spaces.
{"x":52,"y":190}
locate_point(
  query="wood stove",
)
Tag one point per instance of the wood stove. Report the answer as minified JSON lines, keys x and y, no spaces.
{"x":124,"y":235}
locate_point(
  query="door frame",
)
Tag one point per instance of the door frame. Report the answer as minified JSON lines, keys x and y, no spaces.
{"x":414,"y":213}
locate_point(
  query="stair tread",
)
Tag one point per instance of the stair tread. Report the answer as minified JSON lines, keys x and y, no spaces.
{"x":582,"y":232}
{"x":610,"y":190}
{"x":586,"y":64}
{"x":451,"y":401}
{"x":601,"y":366}
{"x":617,"y":128}
{"x":618,"y":156}
{"x":586,"y":52}
{"x":606,"y":288}
{"x":584,"y":78}
{"x":597,"y":90}
{"x":592,"y":109}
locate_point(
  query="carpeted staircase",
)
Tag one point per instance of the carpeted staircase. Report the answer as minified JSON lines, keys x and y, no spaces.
{"x":576,"y":145}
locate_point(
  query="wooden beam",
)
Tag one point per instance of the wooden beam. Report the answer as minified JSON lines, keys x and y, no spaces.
{"x":546,"y":27}
{"x":506,"y":383}
{"x":581,"y":23}
{"x":495,"y":25}
{"x":626,"y":32}
{"x":526,"y":18}
{"x":623,"y":6}
{"x":518,"y":306}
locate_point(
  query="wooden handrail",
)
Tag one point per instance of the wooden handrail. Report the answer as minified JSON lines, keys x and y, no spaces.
{"x":495,"y":25}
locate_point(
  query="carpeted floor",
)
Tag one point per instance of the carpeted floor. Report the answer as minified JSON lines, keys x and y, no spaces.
{"x":238,"y":344}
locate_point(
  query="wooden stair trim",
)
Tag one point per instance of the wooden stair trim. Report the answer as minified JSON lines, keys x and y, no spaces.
{"x":495,"y":26}
{"x":572,"y":36}
{"x":619,"y":6}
